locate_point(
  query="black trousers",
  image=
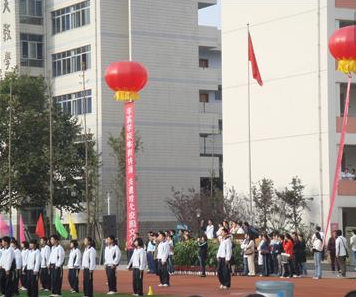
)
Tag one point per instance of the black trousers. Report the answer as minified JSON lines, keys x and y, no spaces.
{"x":224,"y":274}
{"x":88,"y":282}
{"x":56,"y":280}
{"x":9,"y":283}
{"x":16,"y":280}
{"x":137,"y":281}
{"x":163,"y":273}
{"x":111,"y":276}
{"x":2,"y":281}
{"x":32,"y":284}
{"x":202,"y":264}
{"x":45,"y":278}
{"x":23,"y":278}
{"x":155,"y":261}
{"x":73,"y":279}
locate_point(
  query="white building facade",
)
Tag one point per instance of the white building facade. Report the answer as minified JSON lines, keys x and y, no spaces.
{"x":296,"y":115}
{"x":179,"y":115}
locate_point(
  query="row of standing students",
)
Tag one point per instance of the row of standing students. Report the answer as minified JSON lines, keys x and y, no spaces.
{"x":43,"y":264}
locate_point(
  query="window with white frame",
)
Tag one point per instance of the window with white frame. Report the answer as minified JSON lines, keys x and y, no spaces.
{"x":31,"y":12}
{"x":71,"y":61}
{"x":76,"y":103}
{"x":71,"y":17}
{"x":31,"y":50}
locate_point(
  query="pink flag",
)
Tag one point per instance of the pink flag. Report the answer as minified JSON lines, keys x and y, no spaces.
{"x":4,"y":228}
{"x":22,"y":230}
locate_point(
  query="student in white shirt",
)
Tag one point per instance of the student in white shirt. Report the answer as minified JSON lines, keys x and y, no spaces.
{"x":341,"y":252}
{"x":9,"y":266}
{"x":33,"y":269}
{"x":74,"y":262}
{"x":18,"y":263}
{"x":317,"y":249}
{"x":210,"y":230}
{"x":353,"y":246}
{"x":56,"y":261}
{"x":88,"y":264}
{"x":138,"y":264}
{"x":171,"y":253}
{"x":2,"y":271}
{"x":45,"y":269}
{"x":162,"y":257}
{"x":24,"y":254}
{"x":112,"y":260}
{"x":224,"y":256}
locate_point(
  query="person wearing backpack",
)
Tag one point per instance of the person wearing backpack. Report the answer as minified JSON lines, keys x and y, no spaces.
{"x":341,"y":252}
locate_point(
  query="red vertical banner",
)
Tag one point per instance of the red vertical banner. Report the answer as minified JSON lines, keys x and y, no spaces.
{"x":131,"y":194}
{"x":339,"y":157}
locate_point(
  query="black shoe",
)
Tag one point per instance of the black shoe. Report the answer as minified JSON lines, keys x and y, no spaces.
{"x":203,"y":275}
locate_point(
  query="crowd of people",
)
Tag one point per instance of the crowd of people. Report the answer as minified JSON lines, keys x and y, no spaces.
{"x":23,"y":266}
{"x":348,"y":174}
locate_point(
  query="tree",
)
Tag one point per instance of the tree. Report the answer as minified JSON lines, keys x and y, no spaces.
{"x":30,"y":149}
{"x":296,"y":203}
{"x":188,"y":206}
{"x":118,"y":147}
{"x":264,"y":199}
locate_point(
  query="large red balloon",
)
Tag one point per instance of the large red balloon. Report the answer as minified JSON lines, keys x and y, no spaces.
{"x":342,"y":44}
{"x":126,"y":76}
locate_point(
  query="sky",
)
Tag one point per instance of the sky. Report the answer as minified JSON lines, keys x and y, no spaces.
{"x":210,"y":16}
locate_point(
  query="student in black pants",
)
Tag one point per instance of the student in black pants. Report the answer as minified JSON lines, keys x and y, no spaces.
{"x":203,"y":253}
{"x":89,"y":264}
{"x":56,"y":260}
{"x":162,"y":257}
{"x":75,"y":259}
{"x":33,"y":269}
{"x":9,"y":266}
{"x":137,"y":264}
{"x":224,"y":256}
{"x":18,"y":263}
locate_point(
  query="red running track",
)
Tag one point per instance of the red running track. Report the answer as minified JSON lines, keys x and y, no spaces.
{"x":186,"y":285}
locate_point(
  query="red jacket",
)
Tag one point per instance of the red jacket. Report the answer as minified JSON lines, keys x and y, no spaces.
{"x":288,"y":247}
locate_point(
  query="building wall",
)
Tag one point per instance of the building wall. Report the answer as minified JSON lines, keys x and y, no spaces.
{"x":284,"y":112}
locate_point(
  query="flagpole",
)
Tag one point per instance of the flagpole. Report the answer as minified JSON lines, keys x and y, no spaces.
{"x":249,"y":126}
{"x":9,"y":160}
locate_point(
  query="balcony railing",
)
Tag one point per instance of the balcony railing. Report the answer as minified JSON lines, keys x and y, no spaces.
{"x":347,"y":187}
{"x":351,"y":125}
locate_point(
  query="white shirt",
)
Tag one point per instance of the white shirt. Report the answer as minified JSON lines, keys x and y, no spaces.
{"x":353,"y":242}
{"x":240,"y":231}
{"x":244,"y":245}
{"x":340,"y":244}
{"x":151,"y":247}
{"x":75,"y":258}
{"x":163,"y":251}
{"x":57,"y":256}
{"x":18,"y":259}
{"x":225,"y":249}
{"x":7,"y":258}
{"x":112,"y":255}
{"x":24,"y":254}
{"x":45,"y":254}
{"x":138,"y":259}
{"x":171,"y":247}
{"x":209,"y":232}
{"x":34,"y":260}
{"x":260,"y":257}
{"x":318,"y":245}
{"x":1,"y":254}
{"x":89,"y":258}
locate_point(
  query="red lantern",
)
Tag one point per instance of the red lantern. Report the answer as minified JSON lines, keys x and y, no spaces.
{"x":126,"y":79}
{"x":342,"y":45}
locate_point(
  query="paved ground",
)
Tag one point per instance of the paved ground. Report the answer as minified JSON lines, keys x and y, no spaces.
{"x":186,"y":285}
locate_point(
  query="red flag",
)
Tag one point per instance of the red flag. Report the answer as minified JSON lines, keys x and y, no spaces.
{"x":40,"y":230}
{"x":252,"y":58}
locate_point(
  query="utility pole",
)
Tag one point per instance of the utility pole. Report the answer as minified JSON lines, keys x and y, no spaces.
{"x":9,"y":160}
{"x":50,"y":107}
{"x":84,"y":104}
{"x":212,"y":161}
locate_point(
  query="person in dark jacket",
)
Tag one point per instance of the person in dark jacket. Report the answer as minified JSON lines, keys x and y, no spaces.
{"x":296,"y":255}
{"x":332,"y":252}
{"x":203,"y":253}
{"x":265,"y":251}
{"x":303,"y":255}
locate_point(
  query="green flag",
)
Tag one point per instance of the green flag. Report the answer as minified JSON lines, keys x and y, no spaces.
{"x":60,"y":228}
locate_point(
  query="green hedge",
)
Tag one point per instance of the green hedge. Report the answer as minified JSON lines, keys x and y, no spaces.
{"x":186,"y":253}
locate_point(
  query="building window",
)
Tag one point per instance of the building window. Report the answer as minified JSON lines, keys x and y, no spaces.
{"x":218,"y":93}
{"x":71,"y":17}
{"x":31,"y":12}
{"x":204,"y":97}
{"x":203,"y":63}
{"x":76,"y":103}
{"x":31,"y":50}
{"x":71,"y":61}
{"x":220,"y":125}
